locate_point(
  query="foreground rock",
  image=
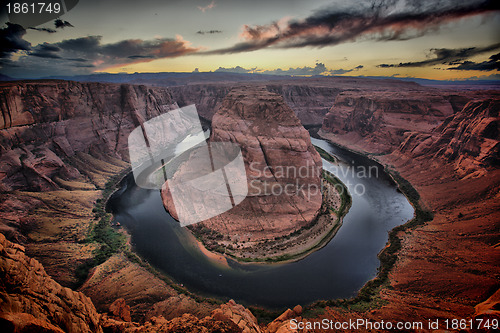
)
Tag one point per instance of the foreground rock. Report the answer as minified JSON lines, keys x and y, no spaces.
{"x":32,"y":300}
{"x":145,"y":293}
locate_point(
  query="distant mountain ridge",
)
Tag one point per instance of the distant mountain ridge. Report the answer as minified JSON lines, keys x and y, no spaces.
{"x":184,"y":78}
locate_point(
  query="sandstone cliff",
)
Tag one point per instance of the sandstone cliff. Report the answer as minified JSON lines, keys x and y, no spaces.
{"x":309,"y":102}
{"x":447,"y":265}
{"x":310,"y":99}
{"x":444,"y":268}
{"x":470,"y":138}
{"x":380,"y":118}
{"x":45,"y":123}
{"x":206,"y":97}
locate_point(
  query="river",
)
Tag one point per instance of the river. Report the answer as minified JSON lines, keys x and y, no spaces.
{"x":338,"y":270}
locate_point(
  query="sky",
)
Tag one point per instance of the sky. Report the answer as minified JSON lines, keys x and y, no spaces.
{"x":444,"y":39}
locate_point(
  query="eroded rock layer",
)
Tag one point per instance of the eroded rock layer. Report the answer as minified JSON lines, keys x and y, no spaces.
{"x":45,"y":123}
{"x":470,"y":138}
{"x":382,"y":117}
{"x":31,"y":299}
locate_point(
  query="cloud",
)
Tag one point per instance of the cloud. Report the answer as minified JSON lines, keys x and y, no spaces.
{"x":207,"y":7}
{"x":237,"y":69}
{"x":11,"y":40}
{"x":123,"y":51}
{"x":318,"y":69}
{"x":77,"y":59}
{"x":490,"y":65}
{"x":211,"y":32}
{"x":45,"y":51}
{"x":446,"y":56}
{"x":87,"y":53}
{"x":50,"y":31}
{"x":58,"y":24}
{"x":62,"y":24}
{"x":383,"y":21}
{"x":486,"y":77}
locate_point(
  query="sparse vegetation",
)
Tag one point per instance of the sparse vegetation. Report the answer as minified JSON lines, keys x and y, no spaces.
{"x":265,"y":316}
{"x":344,"y":193}
{"x":110,"y":241}
{"x":313,"y":312}
{"x":326,"y":155}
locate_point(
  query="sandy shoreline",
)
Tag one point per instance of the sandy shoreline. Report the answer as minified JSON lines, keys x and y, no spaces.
{"x":213,"y":256}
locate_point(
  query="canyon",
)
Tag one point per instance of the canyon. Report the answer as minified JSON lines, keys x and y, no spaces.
{"x":62,"y":142}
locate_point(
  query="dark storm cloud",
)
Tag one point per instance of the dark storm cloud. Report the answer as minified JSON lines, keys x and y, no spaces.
{"x":62,"y":24}
{"x":45,"y":51}
{"x":89,"y":44}
{"x":11,"y":40}
{"x":384,"y":20}
{"x":140,"y":57}
{"x":122,"y":52}
{"x":210,"y":32}
{"x":146,"y":49}
{"x":84,"y":66}
{"x":77,"y":59}
{"x":446,"y":56}
{"x":492,"y":64}
{"x":85,"y":53}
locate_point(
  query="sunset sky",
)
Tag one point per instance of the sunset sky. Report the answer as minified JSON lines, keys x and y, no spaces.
{"x":427,"y":39}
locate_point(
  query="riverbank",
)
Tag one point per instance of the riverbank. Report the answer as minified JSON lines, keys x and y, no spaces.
{"x":369,"y":295}
{"x":297,"y":245}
